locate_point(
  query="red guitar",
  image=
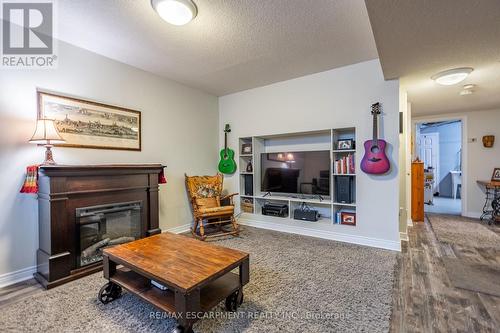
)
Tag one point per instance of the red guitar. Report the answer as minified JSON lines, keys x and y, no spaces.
{"x":375,"y":161}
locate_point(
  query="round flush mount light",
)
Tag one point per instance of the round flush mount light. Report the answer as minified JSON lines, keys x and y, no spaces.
{"x":452,"y":76}
{"x":176,"y":12}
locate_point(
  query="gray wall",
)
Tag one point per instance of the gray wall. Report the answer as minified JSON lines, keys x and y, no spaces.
{"x":179,"y":128}
{"x":450,"y":137}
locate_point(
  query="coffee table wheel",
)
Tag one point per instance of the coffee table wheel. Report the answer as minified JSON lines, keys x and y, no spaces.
{"x":180,"y":329}
{"x":109,"y":292}
{"x":234,"y":300}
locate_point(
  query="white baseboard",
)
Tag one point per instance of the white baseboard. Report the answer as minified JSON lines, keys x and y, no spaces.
{"x":403,"y":236}
{"x":17,"y":276}
{"x":180,"y":229}
{"x":360,"y":240}
{"x":474,"y":215}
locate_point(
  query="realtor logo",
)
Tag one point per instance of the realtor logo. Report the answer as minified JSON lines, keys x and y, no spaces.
{"x":27,"y":34}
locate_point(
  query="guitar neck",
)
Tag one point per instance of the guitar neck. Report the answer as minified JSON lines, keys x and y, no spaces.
{"x":375,"y":127}
{"x":225,"y":141}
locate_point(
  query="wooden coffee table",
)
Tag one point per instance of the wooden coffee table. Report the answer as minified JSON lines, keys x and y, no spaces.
{"x":197,"y":274}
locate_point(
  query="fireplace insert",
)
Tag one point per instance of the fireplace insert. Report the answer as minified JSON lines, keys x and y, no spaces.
{"x":103,"y":226}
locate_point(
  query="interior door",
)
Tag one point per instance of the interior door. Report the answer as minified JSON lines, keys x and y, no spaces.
{"x":429,"y":154}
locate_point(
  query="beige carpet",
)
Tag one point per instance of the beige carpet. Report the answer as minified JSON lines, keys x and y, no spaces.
{"x":297,"y":284}
{"x":463,"y":231}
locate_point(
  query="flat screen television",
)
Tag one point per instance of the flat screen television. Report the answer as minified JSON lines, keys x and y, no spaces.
{"x":299,"y":172}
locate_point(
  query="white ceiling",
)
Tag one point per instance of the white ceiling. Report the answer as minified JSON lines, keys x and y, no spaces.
{"x":417,"y":39}
{"x":232,"y":45}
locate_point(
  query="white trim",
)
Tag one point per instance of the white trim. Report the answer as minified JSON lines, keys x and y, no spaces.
{"x":179,"y":229}
{"x":465,"y":162}
{"x":403,"y":236}
{"x":360,"y":240}
{"x":17,"y":276}
{"x":409,"y":222}
{"x":474,"y":215}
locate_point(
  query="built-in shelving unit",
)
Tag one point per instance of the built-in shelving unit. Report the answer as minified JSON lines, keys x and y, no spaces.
{"x":344,"y":165}
{"x":327,"y":206}
{"x":245,"y":174}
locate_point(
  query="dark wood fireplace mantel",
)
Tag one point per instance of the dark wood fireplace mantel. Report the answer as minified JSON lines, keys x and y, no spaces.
{"x":64,"y":188}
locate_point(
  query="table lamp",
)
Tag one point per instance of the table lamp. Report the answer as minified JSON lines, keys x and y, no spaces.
{"x":46,"y":134}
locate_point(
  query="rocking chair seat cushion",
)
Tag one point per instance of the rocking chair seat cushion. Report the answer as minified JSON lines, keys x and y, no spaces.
{"x":217,"y":211}
{"x":204,"y":203}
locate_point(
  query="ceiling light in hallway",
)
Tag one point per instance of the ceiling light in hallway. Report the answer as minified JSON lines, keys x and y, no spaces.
{"x":176,"y":12}
{"x":452,"y":76}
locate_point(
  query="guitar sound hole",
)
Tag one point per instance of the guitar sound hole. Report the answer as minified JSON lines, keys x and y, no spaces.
{"x":375,"y":149}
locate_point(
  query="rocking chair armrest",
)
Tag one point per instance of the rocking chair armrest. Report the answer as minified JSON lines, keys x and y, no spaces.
{"x":229,"y":196}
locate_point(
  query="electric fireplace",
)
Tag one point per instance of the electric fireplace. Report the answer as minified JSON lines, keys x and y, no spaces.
{"x":104,"y":226}
{"x":86,"y":208}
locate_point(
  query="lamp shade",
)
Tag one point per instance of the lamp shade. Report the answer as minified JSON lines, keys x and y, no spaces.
{"x":46,"y":133}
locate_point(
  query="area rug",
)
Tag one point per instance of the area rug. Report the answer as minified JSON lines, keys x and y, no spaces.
{"x":463,"y":231}
{"x":297,"y":284}
{"x":473,"y":276}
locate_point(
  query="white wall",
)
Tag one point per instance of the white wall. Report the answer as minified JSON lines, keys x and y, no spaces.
{"x":332,"y":99}
{"x":180,"y":127}
{"x":404,"y":164}
{"x":480,"y":161}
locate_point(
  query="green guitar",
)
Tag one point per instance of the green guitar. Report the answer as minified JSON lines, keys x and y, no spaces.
{"x":227,"y":164}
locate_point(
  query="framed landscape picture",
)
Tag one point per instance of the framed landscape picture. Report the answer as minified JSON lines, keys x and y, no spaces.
{"x":86,"y":124}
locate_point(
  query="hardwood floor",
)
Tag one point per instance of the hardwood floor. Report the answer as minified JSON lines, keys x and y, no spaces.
{"x":18,"y":291}
{"x":425,"y":300}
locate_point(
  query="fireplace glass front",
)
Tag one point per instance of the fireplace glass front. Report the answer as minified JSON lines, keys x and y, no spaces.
{"x":104,"y":226}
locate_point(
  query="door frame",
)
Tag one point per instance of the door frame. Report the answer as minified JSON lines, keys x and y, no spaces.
{"x":437,"y":168}
{"x":465,"y":167}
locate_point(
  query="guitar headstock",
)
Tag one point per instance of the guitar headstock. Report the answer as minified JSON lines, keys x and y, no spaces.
{"x":227,"y":129}
{"x":376,"y":108}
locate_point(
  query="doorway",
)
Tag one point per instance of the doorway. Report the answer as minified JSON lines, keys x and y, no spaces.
{"x":439,"y":146}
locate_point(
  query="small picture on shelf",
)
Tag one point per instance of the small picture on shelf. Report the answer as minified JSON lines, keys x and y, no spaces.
{"x":246,"y":148}
{"x":345,"y":144}
{"x":496,"y":175}
{"x":348,"y":218}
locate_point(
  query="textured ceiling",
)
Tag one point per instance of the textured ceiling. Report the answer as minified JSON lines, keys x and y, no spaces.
{"x":417,"y":39}
{"x":232,"y":45}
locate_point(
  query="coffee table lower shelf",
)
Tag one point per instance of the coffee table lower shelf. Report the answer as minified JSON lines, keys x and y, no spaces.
{"x":210,"y":295}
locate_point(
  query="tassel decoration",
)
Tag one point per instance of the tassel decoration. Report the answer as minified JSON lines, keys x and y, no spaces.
{"x":31,"y":182}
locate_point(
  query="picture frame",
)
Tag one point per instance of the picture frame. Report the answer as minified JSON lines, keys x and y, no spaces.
{"x":495,"y":177}
{"x":345,"y":144}
{"x":348,"y":218}
{"x":277,"y":157}
{"x":88,"y":124}
{"x":246,"y":148}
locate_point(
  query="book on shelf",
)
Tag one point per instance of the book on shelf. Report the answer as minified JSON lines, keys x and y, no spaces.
{"x":344,"y":165}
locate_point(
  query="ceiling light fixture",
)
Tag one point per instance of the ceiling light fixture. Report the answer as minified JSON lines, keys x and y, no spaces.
{"x":176,"y":12}
{"x":452,"y":76}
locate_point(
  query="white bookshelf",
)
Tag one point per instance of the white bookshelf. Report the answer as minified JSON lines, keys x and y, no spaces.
{"x":305,"y":141}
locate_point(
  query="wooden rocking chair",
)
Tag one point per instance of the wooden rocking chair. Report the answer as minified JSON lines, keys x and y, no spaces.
{"x":208,"y":209}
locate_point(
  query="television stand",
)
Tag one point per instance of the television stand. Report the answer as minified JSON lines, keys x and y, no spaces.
{"x":266,"y":194}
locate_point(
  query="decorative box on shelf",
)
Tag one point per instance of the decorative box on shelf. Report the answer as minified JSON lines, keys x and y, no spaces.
{"x":247,"y":205}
